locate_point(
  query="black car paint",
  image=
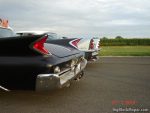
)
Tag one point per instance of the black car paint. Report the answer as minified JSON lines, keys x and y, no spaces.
{"x":60,"y":51}
{"x":20,"y":63}
{"x":63,"y":42}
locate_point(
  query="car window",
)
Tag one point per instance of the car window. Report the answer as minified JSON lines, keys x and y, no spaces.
{"x":24,"y":34}
{"x":53,"y":36}
{"x":4,"y":32}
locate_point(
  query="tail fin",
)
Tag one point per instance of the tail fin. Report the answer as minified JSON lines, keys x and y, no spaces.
{"x":23,"y":46}
{"x":71,"y":43}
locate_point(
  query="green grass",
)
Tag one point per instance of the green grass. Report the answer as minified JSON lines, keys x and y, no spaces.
{"x":125,"y":51}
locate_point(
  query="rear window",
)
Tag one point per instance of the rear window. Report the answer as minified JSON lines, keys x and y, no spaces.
{"x":4,"y":32}
{"x":24,"y":34}
{"x":53,"y":36}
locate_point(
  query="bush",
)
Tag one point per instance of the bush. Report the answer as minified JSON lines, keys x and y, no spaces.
{"x":123,"y":41}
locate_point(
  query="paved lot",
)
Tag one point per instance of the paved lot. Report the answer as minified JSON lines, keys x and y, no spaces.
{"x":109,"y":84}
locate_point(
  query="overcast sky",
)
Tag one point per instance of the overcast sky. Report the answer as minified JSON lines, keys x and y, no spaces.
{"x":80,"y":18}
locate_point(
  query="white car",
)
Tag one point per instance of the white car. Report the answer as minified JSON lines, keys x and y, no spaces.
{"x":91,"y":47}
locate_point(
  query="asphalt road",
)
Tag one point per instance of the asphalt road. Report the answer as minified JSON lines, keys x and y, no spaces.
{"x":109,"y":84}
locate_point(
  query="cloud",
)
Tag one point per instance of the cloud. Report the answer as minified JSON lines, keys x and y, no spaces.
{"x":80,"y":18}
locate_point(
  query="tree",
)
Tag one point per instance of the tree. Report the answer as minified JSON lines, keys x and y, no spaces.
{"x":104,"y":38}
{"x":119,"y":37}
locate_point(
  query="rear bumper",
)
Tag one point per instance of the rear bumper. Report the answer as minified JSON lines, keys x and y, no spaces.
{"x":92,"y":54}
{"x":46,"y":82}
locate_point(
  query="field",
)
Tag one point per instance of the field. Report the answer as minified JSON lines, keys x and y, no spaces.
{"x":125,"y":51}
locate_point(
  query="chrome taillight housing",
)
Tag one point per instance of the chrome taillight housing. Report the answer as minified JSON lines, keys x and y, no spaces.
{"x":75,"y":42}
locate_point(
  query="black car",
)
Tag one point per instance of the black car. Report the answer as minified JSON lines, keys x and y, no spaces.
{"x":90,"y":46}
{"x":31,"y":63}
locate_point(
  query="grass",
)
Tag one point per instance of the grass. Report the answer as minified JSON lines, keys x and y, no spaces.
{"x":125,"y":51}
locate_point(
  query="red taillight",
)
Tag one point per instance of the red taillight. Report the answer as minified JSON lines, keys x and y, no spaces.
{"x":91,"y":44}
{"x":75,"y":42}
{"x":39,"y":45}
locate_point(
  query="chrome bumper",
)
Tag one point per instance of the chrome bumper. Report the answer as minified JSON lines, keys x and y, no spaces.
{"x":46,"y":82}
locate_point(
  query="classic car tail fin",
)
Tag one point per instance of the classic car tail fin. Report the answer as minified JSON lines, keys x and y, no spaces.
{"x":94,"y":43}
{"x":69,"y":42}
{"x":74,"y":42}
{"x":38,"y":45}
{"x":91,"y":46}
{"x":23,"y":46}
{"x":97,"y":43}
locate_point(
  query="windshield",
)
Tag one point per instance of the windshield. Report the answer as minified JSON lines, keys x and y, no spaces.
{"x":53,"y":36}
{"x":4,"y":32}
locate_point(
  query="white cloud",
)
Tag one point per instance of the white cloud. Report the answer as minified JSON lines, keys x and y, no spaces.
{"x":80,"y":17}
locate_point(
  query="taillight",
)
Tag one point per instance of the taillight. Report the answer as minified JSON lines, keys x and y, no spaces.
{"x":75,"y":42}
{"x":91,"y":44}
{"x":39,"y":45}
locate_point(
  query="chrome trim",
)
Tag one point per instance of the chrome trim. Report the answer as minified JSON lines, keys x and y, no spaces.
{"x":73,"y":41}
{"x":4,"y":88}
{"x":46,"y":82}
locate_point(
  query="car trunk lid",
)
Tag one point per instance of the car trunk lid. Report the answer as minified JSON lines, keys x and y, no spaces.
{"x":60,"y":51}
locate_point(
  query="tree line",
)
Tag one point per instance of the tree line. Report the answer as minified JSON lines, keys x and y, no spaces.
{"x":120,"y":41}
